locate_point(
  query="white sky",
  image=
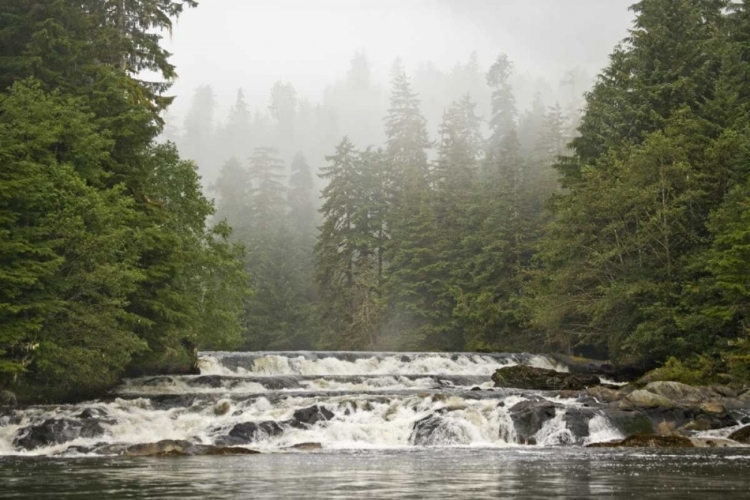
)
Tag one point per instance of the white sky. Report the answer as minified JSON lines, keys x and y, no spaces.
{"x":252,"y":43}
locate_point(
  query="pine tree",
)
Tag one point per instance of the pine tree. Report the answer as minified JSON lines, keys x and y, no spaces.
{"x":336,"y":249}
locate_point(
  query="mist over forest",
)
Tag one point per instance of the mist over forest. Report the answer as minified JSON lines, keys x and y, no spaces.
{"x":328,"y":73}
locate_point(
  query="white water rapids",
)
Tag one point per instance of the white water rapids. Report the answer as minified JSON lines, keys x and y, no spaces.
{"x":371,"y":400}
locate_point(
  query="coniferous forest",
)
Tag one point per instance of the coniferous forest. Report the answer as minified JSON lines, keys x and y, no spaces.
{"x":618,"y":229}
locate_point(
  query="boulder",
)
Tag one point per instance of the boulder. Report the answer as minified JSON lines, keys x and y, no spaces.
{"x":630,"y":422}
{"x":249,"y":432}
{"x":647,"y":441}
{"x":93,"y":412}
{"x":642,"y":399}
{"x":577,"y":421}
{"x":313,"y":415}
{"x":529,"y":377}
{"x":528,"y":418}
{"x":7,"y":398}
{"x":741,"y":435}
{"x":676,"y":391}
{"x":222,"y":408}
{"x":56,"y":431}
{"x":439,"y":430}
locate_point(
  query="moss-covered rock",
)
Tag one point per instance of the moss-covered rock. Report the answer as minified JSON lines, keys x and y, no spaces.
{"x":529,"y":377}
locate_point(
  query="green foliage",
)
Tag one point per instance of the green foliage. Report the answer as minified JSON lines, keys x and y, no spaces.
{"x":107,"y":263}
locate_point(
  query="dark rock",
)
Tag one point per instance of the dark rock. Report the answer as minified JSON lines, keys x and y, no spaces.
{"x":10,"y":417}
{"x":577,"y":421}
{"x":405,"y":359}
{"x":237,"y":413}
{"x":249,"y":432}
{"x":213,"y":381}
{"x":528,"y":418}
{"x":437,"y":430}
{"x":745,"y":420}
{"x":475,"y":388}
{"x":741,"y":435}
{"x":313,"y":415}
{"x":56,"y":431}
{"x":528,"y":377}
{"x":645,"y":441}
{"x":630,"y":422}
{"x":93,"y":412}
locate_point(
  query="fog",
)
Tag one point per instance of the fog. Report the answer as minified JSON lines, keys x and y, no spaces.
{"x":557,"y":48}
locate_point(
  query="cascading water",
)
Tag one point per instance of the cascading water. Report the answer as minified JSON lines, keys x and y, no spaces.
{"x":338,"y":400}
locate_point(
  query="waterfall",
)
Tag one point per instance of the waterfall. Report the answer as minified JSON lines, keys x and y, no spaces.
{"x":274,"y":401}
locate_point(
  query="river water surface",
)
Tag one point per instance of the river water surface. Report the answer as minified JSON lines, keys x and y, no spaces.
{"x":394,"y":425}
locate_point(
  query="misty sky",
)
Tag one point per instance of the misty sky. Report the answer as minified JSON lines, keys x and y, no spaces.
{"x":252,"y":43}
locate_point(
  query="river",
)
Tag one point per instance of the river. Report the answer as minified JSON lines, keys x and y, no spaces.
{"x":373,"y":425}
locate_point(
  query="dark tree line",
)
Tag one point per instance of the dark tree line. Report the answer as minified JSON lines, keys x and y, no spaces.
{"x":107,"y":264}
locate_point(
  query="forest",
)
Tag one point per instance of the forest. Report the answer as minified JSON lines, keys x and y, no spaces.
{"x":616,"y":228}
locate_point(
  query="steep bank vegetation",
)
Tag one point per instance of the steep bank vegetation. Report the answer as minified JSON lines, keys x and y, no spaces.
{"x":108,"y":264}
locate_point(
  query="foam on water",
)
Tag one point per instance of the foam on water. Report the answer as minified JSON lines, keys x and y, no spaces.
{"x":377,"y":401}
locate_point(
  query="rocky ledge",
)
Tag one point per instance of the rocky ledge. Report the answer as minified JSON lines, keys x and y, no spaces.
{"x":656,"y":414}
{"x":529,"y":377}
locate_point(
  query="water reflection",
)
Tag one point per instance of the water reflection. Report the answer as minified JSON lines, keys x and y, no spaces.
{"x":403,"y":474}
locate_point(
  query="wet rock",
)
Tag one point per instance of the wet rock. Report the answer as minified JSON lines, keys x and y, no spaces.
{"x":528,"y":377}
{"x":7,"y":398}
{"x":405,"y":359}
{"x":56,"y":431}
{"x":313,"y":415}
{"x":741,"y":435}
{"x":630,"y":422}
{"x":577,"y":421}
{"x":249,"y":432}
{"x":646,"y":441}
{"x":475,"y":388}
{"x":306,"y":446}
{"x":10,"y":417}
{"x":222,"y":408}
{"x":528,"y":418}
{"x":93,"y":412}
{"x":438,"y":430}
{"x":213,"y":381}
